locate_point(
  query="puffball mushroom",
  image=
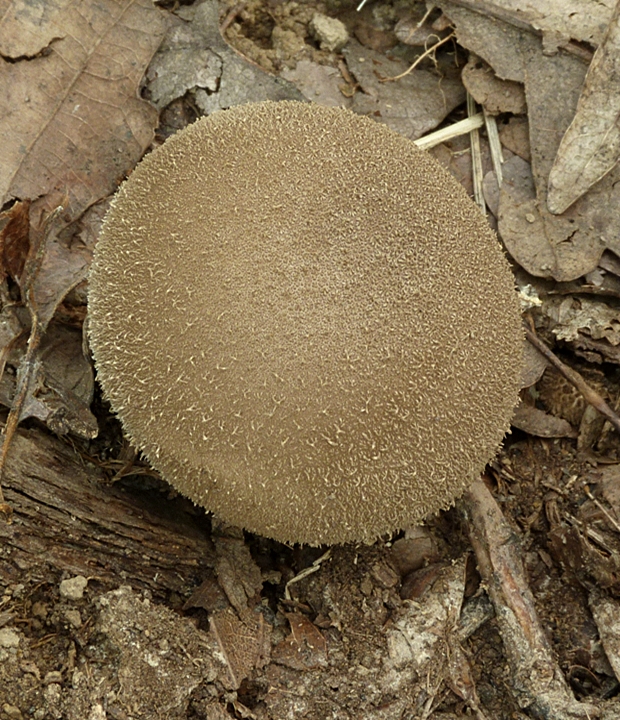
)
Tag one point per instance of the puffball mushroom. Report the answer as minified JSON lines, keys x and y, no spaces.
{"x":304,"y":323}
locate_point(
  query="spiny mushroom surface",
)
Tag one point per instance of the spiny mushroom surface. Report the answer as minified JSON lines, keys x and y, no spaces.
{"x":305,"y":323}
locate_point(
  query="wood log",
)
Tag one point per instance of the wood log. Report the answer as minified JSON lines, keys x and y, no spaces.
{"x":67,"y":515}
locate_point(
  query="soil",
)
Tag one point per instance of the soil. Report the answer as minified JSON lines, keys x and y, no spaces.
{"x":223,"y":639}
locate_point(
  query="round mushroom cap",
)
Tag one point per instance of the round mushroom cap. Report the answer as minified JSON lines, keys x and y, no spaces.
{"x":305,"y":323}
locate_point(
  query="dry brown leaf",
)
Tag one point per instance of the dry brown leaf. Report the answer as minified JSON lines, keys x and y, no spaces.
{"x":583,"y":20}
{"x":240,"y":81}
{"x":413,"y":105}
{"x":546,"y":245}
{"x":304,"y":648}
{"x":534,"y":365}
{"x":208,"y":595}
{"x":318,"y":83}
{"x":243,"y":643}
{"x":609,"y":481}
{"x":374,"y":37}
{"x":573,"y":316}
{"x":416,"y":27}
{"x":73,"y":126}
{"x":14,"y":245}
{"x":495,"y":95}
{"x":540,"y":424}
{"x":591,"y":146}
{"x":182,"y":63}
{"x":61,"y":385}
{"x":578,"y":237}
{"x":515,"y":136}
{"x":71,"y":119}
{"x":490,"y":38}
{"x":237,"y":573}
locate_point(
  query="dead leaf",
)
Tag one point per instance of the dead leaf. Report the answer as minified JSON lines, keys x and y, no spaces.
{"x":413,"y":105}
{"x":318,"y":83}
{"x":11,"y":329}
{"x":374,"y":37}
{"x":460,"y":676}
{"x":14,"y":243}
{"x":237,"y":573}
{"x":582,"y":20}
{"x":71,"y":120}
{"x":575,"y":316}
{"x":590,"y":147}
{"x":182,"y":63}
{"x":410,"y":29}
{"x":515,"y":135}
{"x":455,"y":156}
{"x":208,"y":595}
{"x":64,"y":264}
{"x":304,"y":648}
{"x":243,"y":643}
{"x":490,"y":38}
{"x":73,"y":126}
{"x":576,"y":552}
{"x":540,"y":424}
{"x":610,"y":487}
{"x":564,"y":248}
{"x":534,"y":365}
{"x":60,"y":384}
{"x":240,"y":81}
{"x":493,"y":93}
{"x":546,"y":245}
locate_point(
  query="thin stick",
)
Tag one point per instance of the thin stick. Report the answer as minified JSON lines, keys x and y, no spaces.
{"x":599,"y":505}
{"x":27,"y":370}
{"x":476,"y":158}
{"x":537,"y":681}
{"x":462,"y":127}
{"x":426,"y":53}
{"x":590,"y":395}
{"x":496,"y":147}
{"x":231,"y":17}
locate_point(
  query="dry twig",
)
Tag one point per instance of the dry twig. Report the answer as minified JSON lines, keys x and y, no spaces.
{"x":590,"y":395}
{"x":425,"y":54}
{"x":462,"y":127}
{"x":476,"y":158}
{"x":495,"y":146}
{"x":27,"y":370}
{"x":231,"y":16}
{"x":538,"y":682}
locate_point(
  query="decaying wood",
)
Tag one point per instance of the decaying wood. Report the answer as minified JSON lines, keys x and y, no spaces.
{"x":538,"y":682}
{"x":67,"y":517}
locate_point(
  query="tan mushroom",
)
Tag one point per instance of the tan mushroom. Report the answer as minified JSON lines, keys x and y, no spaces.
{"x":304,"y":323}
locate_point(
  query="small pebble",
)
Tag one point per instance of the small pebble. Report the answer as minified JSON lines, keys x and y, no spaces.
{"x":384,"y":575}
{"x":331,"y":33}
{"x":52,"y":693}
{"x":39,"y":610}
{"x":12,"y":712}
{"x":74,"y":618}
{"x":8,"y":638}
{"x":73,"y":588}
{"x":53,"y":676}
{"x":97,"y":713}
